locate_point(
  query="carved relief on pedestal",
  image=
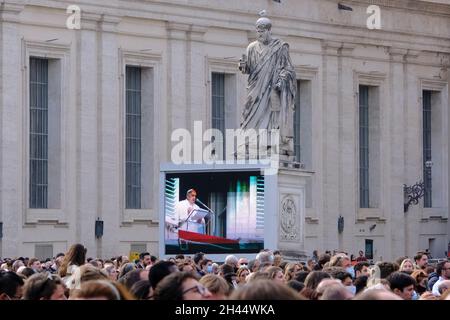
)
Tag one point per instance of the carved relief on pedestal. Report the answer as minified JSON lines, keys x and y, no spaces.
{"x":289,"y":220}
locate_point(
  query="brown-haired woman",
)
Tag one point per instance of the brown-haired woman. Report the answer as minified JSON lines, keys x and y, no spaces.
{"x":73,"y":259}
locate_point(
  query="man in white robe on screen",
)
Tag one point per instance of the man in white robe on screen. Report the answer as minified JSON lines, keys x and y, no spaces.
{"x":185,"y":212}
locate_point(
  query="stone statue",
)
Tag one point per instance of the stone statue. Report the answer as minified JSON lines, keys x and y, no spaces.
{"x":272,"y":86}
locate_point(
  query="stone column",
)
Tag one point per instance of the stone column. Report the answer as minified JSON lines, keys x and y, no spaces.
{"x":87,"y":131}
{"x":177,"y":81}
{"x":412,"y":150}
{"x":395,"y":179}
{"x":196,"y":74}
{"x":109,"y":174}
{"x":330,"y":164}
{"x":11,"y":129}
{"x":347,"y":137}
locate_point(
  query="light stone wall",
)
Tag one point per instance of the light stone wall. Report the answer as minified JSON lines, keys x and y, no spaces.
{"x":182,"y":42}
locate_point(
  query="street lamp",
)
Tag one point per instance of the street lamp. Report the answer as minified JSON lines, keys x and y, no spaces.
{"x":412,"y":194}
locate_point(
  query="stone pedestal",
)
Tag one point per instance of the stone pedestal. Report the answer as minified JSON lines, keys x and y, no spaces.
{"x":285,"y":209}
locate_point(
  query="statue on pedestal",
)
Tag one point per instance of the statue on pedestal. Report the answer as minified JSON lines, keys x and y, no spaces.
{"x":272,"y":86}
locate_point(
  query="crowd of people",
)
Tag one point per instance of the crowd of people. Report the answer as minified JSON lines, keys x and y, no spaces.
{"x":268,"y":276}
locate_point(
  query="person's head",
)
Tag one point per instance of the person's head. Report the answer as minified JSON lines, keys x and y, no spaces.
{"x":227,"y":272}
{"x":276,"y":274}
{"x":142,"y":290}
{"x":361,"y":253}
{"x":242,"y":274}
{"x":256,"y":276}
{"x":323,"y":259}
{"x":185,"y":267}
{"x":232,"y":261}
{"x":242,"y":262}
{"x":386,"y":268}
{"x":265,"y":258}
{"x":112,"y":272}
{"x":133,"y":276}
{"x":443,"y":269}
{"x":407,"y":266}
{"x":325,"y":283}
{"x":16,"y":265}
{"x":25,"y":271}
{"x":377,"y":294}
{"x":296,"y":285}
{"x":44,"y":286}
{"x":96,"y":290}
{"x":216,"y":285}
{"x":145,"y":258}
{"x":265,"y":290}
{"x":76,"y":256}
{"x":336,"y":291}
{"x":206,"y":265}
{"x":443,"y":286}
{"x":344,"y":277}
{"x":421,"y":279}
{"x":179,"y":258}
{"x":361,"y":269}
{"x":181,"y":286}
{"x":125,"y":268}
{"x":314,"y":278}
{"x":88,"y":272}
{"x":35,"y":264}
{"x":264,"y":30}
{"x":59,"y":259}
{"x":253,"y":265}
{"x":360,"y":283}
{"x":402,"y":285}
{"x":301,"y":276}
{"x":191,"y":196}
{"x":10,"y":286}
{"x":340,"y":260}
{"x":199,"y":257}
{"x":290,"y":270}
{"x":421,"y":260}
{"x":159,"y":271}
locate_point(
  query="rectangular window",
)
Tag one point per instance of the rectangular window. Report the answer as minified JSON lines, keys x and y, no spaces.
{"x":218,"y":109}
{"x":369,"y":249}
{"x":43,"y":251}
{"x":303,"y":131}
{"x":38,"y":183}
{"x":364,"y":146}
{"x":427,"y":174}
{"x":133,"y":138}
{"x":297,"y":109}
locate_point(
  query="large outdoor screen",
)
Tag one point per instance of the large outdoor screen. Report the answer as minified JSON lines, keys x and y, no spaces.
{"x":220,"y":212}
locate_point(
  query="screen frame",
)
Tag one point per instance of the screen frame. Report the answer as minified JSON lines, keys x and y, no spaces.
{"x":270,"y":220}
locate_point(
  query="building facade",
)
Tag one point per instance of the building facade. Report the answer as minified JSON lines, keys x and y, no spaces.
{"x":86,"y":116}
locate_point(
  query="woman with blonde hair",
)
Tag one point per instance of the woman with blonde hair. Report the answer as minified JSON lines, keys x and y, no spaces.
{"x":276,"y":274}
{"x":407,"y":266}
{"x":218,"y":287}
{"x":290,"y":271}
{"x":241,"y":275}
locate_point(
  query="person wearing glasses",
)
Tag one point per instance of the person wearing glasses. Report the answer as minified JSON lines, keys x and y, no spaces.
{"x":44,"y":286}
{"x":181,"y":286}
